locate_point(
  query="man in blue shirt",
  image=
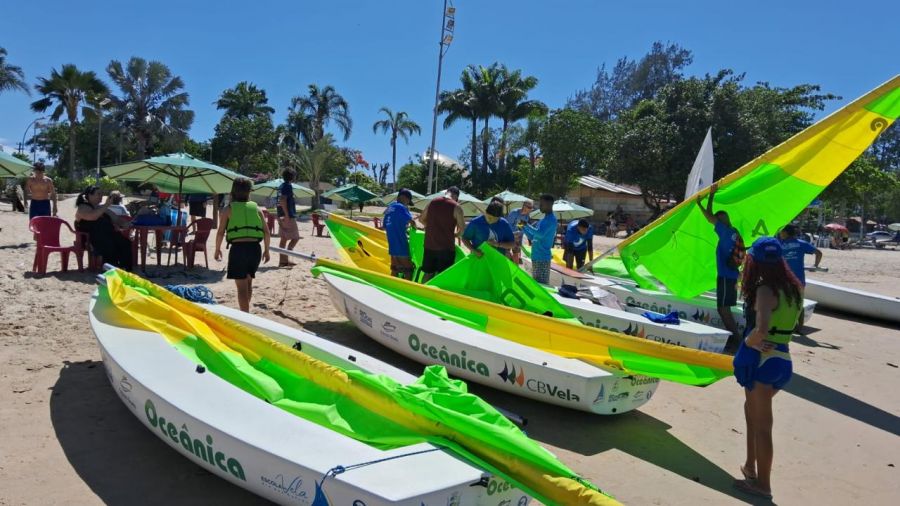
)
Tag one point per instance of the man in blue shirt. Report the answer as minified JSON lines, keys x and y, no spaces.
{"x":517,"y":219}
{"x":397,"y":219}
{"x":288,"y":233}
{"x":729,"y":255}
{"x":541,"y":238}
{"x":490,"y":228}
{"x":578,"y":242}
{"x":794,"y":250}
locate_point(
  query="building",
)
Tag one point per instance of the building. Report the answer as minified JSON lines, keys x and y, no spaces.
{"x":604,"y":197}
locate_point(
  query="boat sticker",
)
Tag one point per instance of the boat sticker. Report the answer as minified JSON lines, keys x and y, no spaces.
{"x":458,"y":360}
{"x":387,"y":331}
{"x":618,"y":397}
{"x":599,"y":397}
{"x":516,"y":376}
{"x":365,"y":319}
{"x":291,"y":488}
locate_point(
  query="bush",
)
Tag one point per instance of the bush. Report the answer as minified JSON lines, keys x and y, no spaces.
{"x":106,"y":185}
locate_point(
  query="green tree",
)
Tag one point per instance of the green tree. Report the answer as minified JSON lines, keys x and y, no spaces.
{"x":322,"y":162}
{"x":366,"y":181}
{"x":12,"y":77}
{"x":309,"y":114}
{"x":513,"y":105}
{"x":460,"y":105}
{"x":152,"y":103}
{"x":400,"y":126}
{"x":67,"y":89}
{"x":864,"y":187}
{"x":246,"y":144}
{"x":414,"y":176}
{"x":245,"y":100}
{"x":527,"y":139}
{"x":572,"y":143}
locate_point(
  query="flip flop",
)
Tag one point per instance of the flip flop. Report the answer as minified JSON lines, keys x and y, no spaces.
{"x":747,"y":475}
{"x":748,"y":487}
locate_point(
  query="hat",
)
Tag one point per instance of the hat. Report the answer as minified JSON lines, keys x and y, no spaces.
{"x":766,"y":250}
{"x":404,"y":193}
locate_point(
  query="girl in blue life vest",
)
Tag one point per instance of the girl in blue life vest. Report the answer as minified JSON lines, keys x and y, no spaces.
{"x":762,"y":364}
{"x":242,"y":225}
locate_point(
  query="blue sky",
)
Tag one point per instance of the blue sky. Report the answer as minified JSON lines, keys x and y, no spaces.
{"x":384,"y":53}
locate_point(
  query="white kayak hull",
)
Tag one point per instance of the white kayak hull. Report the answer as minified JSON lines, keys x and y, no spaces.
{"x":854,"y":301}
{"x":486,"y":359}
{"x":264,"y":449}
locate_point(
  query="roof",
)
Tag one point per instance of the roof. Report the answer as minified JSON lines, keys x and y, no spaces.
{"x":602,"y":184}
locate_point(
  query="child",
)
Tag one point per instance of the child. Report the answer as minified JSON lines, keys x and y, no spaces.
{"x":243,"y":226}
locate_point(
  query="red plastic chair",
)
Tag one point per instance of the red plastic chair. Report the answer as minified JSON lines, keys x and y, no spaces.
{"x":202,"y":229}
{"x":376,"y":222}
{"x":270,"y":220}
{"x":46,"y":233}
{"x":318,"y":225}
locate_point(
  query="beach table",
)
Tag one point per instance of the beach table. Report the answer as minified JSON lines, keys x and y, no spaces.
{"x":141,"y":232}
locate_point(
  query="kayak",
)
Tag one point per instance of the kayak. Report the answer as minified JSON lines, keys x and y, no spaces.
{"x":294,"y":418}
{"x":853,"y":301}
{"x":366,"y":247}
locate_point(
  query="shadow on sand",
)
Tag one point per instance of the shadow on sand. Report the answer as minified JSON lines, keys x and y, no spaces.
{"x":120,"y":459}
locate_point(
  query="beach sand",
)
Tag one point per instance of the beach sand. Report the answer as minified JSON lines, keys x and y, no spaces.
{"x":65,"y":438}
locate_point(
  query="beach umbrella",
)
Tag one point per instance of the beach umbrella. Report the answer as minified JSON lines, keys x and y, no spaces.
{"x":894,"y":226}
{"x":470,"y":204}
{"x":270,"y":189}
{"x":351,"y":193}
{"x":390,"y":197}
{"x":837,"y":227}
{"x":565,"y":211}
{"x":511,"y":200}
{"x":11,"y":166}
{"x":177,"y":170}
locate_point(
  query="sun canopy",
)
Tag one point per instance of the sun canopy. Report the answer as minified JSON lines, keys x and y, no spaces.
{"x":11,"y":166}
{"x":511,"y":200}
{"x":390,"y":197}
{"x":565,"y":211}
{"x":177,"y":170}
{"x":352,"y":193}
{"x":270,"y":189}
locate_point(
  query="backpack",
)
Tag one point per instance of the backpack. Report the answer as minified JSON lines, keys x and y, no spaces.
{"x":738,"y":252}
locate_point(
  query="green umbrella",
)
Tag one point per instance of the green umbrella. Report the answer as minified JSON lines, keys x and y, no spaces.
{"x":11,"y":166}
{"x":178,"y":170}
{"x":390,"y":197}
{"x":565,"y":211}
{"x":511,"y":200}
{"x":270,"y":189}
{"x":351,"y":193}
{"x":470,"y":204}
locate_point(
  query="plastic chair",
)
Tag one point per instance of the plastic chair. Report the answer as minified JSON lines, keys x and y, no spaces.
{"x":202,"y":229}
{"x":46,"y":233}
{"x":376,"y":222}
{"x":318,"y":225}
{"x":270,"y":220}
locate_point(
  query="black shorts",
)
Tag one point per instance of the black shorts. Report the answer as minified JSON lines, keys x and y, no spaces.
{"x":434,"y":262}
{"x":243,"y":259}
{"x":197,"y":209}
{"x":726,"y":292}
{"x":579,"y":257}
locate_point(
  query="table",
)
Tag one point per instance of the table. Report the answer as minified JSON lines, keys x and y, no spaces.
{"x":141,"y":233}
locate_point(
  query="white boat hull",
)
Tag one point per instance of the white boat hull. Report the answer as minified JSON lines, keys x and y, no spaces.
{"x":486,"y":359}
{"x":853,"y":301}
{"x":264,"y":449}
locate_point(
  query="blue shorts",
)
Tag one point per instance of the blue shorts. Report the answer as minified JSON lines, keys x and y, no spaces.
{"x":39,"y":208}
{"x":771,"y":368}
{"x":398,"y":247}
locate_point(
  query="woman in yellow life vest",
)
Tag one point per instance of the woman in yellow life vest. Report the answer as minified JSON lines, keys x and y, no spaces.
{"x":242,"y":225}
{"x":762,"y":364}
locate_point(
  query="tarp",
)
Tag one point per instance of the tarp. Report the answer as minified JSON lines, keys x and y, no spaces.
{"x":763,"y":195}
{"x":11,"y":166}
{"x":371,"y":408}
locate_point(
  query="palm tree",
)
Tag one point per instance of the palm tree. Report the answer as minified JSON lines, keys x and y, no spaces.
{"x":462,"y":104}
{"x":152,"y":102}
{"x":67,"y":89}
{"x":310,"y":163}
{"x":244,"y":101}
{"x":513,"y":105}
{"x":400,"y":126}
{"x":309,"y":114}
{"x":11,"y":76}
{"x":487,"y":81}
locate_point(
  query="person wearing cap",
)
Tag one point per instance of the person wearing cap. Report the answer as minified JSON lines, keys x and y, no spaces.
{"x":517,"y":219}
{"x":444,"y":221}
{"x":397,"y":220}
{"x":578,"y":242}
{"x":40,"y":188}
{"x":729,"y":255}
{"x":762,"y":364}
{"x":542,"y":237}
{"x":491,"y":228}
{"x":794,"y":251}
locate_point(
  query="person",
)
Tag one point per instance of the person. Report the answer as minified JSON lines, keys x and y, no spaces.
{"x":517,"y":219}
{"x":96,"y":221}
{"x":43,"y":195}
{"x":762,"y":364}
{"x":116,"y":207}
{"x":491,"y":228}
{"x":611,"y":227}
{"x":578,"y":242}
{"x":288,"y":232}
{"x":794,"y":251}
{"x":542,"y":237}
{"x":242,"y":224}
{"x":397,"y":219}
{"x":444,"y":221}
{"x":729,"y":255}
{"x":197,"y":205}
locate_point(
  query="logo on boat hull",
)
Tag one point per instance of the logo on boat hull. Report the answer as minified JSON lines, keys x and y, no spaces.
{"x":365,"y":319}
{"x":511,"y":375}
{"x":387,"y":331}
{"x":600,"y":395}
{"x":516,"y":376}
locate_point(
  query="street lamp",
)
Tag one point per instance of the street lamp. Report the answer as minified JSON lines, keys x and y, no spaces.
{"x":448,"y":24}
{"x":22,"y":146}
{"x":100,"y":105}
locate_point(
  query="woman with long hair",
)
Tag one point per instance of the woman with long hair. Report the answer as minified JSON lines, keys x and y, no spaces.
{"x":92,"y":218}
{"x":762,"y":364}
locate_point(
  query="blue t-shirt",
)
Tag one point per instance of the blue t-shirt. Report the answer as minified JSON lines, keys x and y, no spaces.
{"x":579,"y":241}
{"x":727,"y":240}
{"x":514,"y":218}
{"x":794,"y":249}
{"x":287,"y":191}
{"x":479,"y":231}
{"x":542,"y":238}
{"x":396,"y":221}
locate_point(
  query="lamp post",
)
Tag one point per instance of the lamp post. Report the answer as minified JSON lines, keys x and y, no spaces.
{"x":100,"y":106}
{"x":448,"y":24}
{"x":22,"y":146}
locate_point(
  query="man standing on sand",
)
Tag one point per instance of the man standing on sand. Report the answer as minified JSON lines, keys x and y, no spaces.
{"x":794,"y":251}
{"x":729,"y":256}
{"x":542,"y":238}
{"x":288,"y":233}
{"x":517,"y":219}
{"x":444,"y":222}
{"x":40,"y":188}
{"x":397,"y":220}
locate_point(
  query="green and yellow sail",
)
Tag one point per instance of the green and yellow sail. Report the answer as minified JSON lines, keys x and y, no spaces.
{"x":763,"y":195}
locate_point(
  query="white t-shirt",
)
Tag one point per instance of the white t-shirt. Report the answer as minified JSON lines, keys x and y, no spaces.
{"x":119,"y":210}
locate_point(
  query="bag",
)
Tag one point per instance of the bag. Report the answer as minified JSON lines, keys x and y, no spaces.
{"x":738,"y":251}
{"x":150,"y":220}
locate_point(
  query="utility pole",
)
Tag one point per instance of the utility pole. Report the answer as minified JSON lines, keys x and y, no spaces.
{"x":448,"y":24}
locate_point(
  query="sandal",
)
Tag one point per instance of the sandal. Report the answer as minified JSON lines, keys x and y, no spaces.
{"x":749,"y":487}
{"x":747,"y":474}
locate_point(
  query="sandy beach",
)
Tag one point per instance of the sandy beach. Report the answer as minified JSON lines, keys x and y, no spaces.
{"x":65,"y":438}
